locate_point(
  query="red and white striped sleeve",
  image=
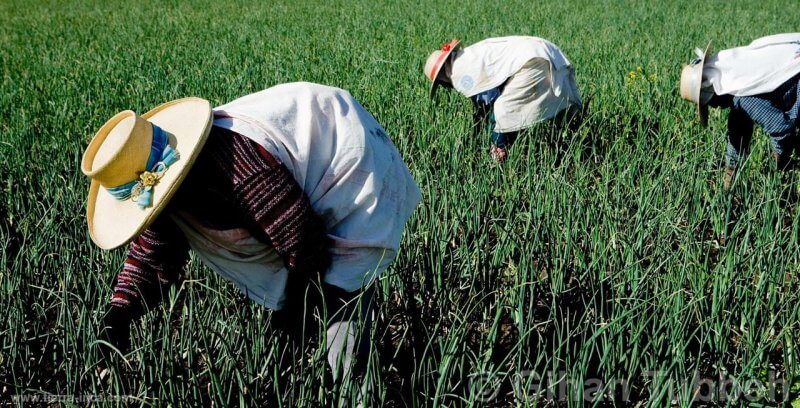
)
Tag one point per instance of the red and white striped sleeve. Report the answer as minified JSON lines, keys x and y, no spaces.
{"x":271,"y":197}
{"x":155,"y":261}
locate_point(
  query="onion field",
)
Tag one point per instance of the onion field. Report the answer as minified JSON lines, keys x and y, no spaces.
{"x":602,"y":266}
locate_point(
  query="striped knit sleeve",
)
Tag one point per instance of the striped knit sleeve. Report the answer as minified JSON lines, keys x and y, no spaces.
{"x":155,"y":261}
{"x":270,"y":196}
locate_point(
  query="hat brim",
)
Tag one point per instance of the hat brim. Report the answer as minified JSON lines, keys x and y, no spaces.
{"x":435,"y":83}
{"x":702,"y":110}
{"x":113,"y":223}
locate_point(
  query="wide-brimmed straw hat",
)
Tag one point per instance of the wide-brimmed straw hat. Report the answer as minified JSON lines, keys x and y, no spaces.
{"x":436,"y":61}
{"x":136,"y":164}
{"x":692,"y":82}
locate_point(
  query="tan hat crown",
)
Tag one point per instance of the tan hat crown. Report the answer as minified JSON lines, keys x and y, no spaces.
{"x":691,"y":78}
{"x":119,"y":152}
{"x":136,"y":163}
{"x":692,"y":82}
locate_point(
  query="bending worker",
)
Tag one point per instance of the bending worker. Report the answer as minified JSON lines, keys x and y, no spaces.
{"x":758,"y":83}
{"x":292,"y":184}
{"x":513,"y":83}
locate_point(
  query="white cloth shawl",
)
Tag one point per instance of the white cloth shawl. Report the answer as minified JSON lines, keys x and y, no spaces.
{"x":528,"y":98}
{"x":338,"y":153}
{"x":755,"y":69}
{"x":348,"y":167}
{"x":487,"y":64}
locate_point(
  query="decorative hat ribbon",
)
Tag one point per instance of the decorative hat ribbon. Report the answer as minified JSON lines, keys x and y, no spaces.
{"x":162,"y":155}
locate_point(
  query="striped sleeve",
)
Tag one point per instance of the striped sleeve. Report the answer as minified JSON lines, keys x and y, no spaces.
{"x":270,"y":196}
{"x":155,"y":261}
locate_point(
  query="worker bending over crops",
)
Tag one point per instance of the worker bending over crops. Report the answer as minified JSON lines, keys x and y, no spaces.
{"x":513,"y":83}
{"x":758,"y":83}
{"x":292,"y":184}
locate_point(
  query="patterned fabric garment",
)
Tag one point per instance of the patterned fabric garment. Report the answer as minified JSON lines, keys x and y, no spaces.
{"x":776,"y":112}
{"x":234,"y":183}
{"x":488,"y":97}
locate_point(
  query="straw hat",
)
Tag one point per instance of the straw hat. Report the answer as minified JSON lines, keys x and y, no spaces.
{"x":692,"y":81}
{"x":136,"y":164}
{"x":435,"y":62}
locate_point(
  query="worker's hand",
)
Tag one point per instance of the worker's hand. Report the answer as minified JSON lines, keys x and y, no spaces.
{"x":499,"y":154}
{"x":302,"y":295}
{"x":312,"y":261}
{"x":728,"y":177}
{"x":115,"y":331}
{"x":306,"y":272}
{"x":113,"y":339}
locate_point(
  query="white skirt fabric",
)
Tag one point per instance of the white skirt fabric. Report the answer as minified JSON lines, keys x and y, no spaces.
{"x":258,"y":270}
{"x":528,"y":97}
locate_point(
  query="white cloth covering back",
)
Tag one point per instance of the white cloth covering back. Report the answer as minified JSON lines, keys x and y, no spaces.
{"x":488,"y":63}
{"x":755,"y":69}
{"x":528,"y":98}
{"x":539,"y":80}
{"x":348,"y":167}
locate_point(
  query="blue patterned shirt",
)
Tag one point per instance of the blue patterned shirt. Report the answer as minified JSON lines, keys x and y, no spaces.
{"x":487,"y":97}
{"x":776,"y":112}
